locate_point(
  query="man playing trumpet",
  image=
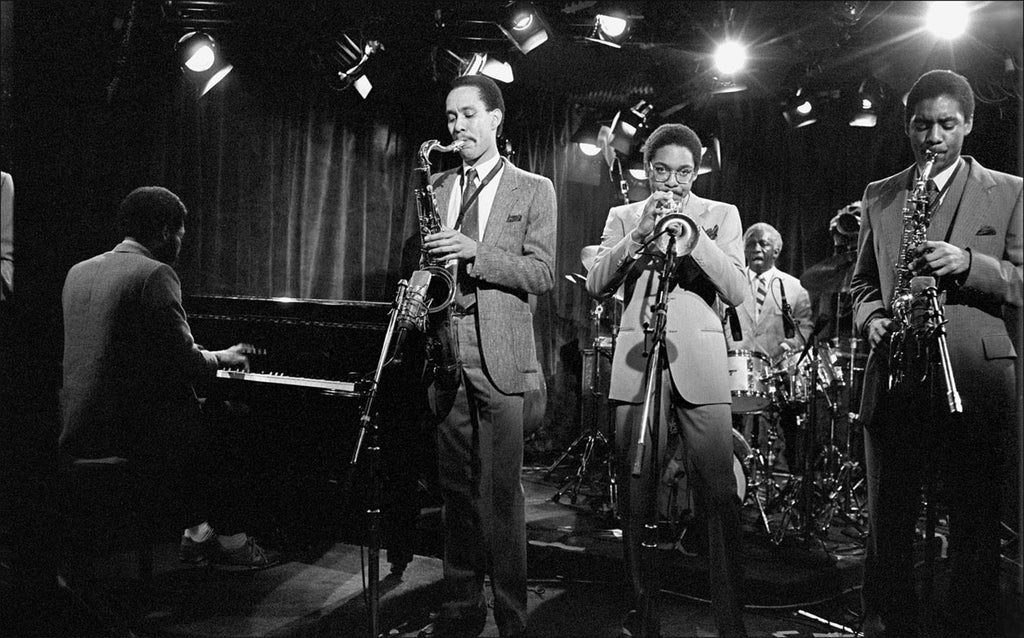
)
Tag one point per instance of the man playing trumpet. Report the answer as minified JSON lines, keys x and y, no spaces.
{"x":695,"y":386}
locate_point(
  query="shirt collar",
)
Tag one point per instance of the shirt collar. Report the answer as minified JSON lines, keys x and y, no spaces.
{"x":940,"y":179}
{"x":483,"y":168}
{"x":768,"y":275}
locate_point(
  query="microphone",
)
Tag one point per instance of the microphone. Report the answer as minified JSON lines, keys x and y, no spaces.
{"x":413,"y":311}
{"x":788,"y":327}
{"x":734,"y":323}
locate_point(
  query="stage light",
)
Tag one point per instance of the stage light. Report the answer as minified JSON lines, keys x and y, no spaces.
{"x":355,"y":75}
{"x":525,"y":26}
{"x":588,"y":138}
{"x":730,"y":57}
{"x":201,"y":61}
{"x":867,"y":102}
{"x":610,"y":30}
{"x":625,"y":125}
{"x":710,"y":157}
{"x":947,"y":19}
{"x":483,"y":64}
{"x":799,"y":111}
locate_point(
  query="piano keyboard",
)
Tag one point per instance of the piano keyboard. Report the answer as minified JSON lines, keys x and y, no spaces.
{"x":328,"y":385}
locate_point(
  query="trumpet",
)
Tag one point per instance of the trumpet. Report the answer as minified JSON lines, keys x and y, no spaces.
{"x":674,"y":224}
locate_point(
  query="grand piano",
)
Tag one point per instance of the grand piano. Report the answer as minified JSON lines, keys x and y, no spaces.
{"x":295,"y":414}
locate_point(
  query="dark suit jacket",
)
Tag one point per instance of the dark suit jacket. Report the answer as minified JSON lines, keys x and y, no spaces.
{"x":129,"y":357}
{"x":989,"y":223}
{"x":514,"y":259}
{"x":695,"y":342}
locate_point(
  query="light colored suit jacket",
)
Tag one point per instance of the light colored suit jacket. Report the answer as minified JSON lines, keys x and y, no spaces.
{"x":694,"y":341}
{"x":514,"y":259}
{"x":129,"y":357}
{"x":986,"y":308}
{"x":766,"y":332}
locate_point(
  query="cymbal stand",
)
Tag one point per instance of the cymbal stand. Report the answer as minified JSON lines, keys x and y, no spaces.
{"x":592,"y":445}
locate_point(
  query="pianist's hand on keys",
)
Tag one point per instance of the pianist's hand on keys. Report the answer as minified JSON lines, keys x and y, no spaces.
{"x":235,"y":356}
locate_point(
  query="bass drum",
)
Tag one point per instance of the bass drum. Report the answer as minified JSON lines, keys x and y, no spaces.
{"x":675,"y":498}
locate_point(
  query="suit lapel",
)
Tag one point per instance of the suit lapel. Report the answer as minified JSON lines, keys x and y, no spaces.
{"x":976,"y":204}
{"x":505,"y":203}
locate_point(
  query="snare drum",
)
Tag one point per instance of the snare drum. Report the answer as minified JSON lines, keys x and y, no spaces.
{"x":749,"y":373}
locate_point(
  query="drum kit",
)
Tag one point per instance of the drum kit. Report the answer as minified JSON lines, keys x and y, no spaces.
{"x":818,"y":385}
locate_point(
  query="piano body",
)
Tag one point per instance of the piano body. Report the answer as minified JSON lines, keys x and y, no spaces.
{"x":295,"y":414}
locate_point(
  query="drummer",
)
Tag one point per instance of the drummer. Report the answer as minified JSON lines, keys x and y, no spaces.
{"x":762,"y":324}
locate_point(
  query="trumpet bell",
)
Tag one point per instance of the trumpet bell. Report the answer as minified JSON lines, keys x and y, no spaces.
{"x":680,"y":227}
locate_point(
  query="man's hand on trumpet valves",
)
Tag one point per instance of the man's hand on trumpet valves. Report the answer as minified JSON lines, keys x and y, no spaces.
{"x":661,"y":203}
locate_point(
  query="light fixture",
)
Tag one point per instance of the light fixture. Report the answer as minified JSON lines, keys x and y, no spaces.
{"x":483,"y":64}
{"x":710,"y":157}
{"x":201,"y":61}
{"x":355,"y":75}
{"x":610,"y":30}
{"x":799,"y":110}
{"x":947,"y":19}
{"x":525,"y":26}
{"x":867,"y":101}
{"x":588,"y":138}
{"x":730,"y":57}
{"x":626,"y":124}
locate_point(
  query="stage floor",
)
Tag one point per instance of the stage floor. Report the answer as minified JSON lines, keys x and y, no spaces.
{"x":576,"y":587}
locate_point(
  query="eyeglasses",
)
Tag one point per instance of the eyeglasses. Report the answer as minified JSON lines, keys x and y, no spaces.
{"x":661,"y":174}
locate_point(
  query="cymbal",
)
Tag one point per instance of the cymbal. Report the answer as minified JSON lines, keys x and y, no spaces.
{"x":831,"y":274}
{"x":588,"y":255}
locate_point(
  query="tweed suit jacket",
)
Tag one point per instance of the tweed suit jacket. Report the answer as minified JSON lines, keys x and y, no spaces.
{"x":129,"y":357}
{"x":982,"y":313}
{"x":763,"y":333}
{"x":694,"y":339}
{"x":514,"y":259}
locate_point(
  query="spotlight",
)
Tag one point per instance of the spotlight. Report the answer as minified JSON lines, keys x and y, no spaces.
{"x":947,"y":19}
{"x":625,"y":125}
{"x":483,"y":64}
{"x":799,"y":110}
{"x":588,"y":138}
{"x":710,"y":157}
{"x":525,"y":26}
{"x":355,"y":75}
{"x":200,"y":60}
{"x":610,"y":30}
{"x":868,"y":99}
{"x":730,"y":57}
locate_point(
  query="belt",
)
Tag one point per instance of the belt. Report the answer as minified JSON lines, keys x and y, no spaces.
{"x":463,"y":312}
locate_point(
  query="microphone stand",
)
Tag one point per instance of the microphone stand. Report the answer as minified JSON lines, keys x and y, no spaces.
{"x":652,"y":413}
{"x":368,"y":428}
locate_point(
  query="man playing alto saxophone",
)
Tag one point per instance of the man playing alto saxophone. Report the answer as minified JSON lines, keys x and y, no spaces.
{"x":972,"y":252}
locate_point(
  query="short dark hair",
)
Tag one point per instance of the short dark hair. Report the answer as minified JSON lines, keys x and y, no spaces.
{"x":937,"y":83}
{"x":678,"y":134}
{"x":490,"y":93}
{"x":147,"y":210}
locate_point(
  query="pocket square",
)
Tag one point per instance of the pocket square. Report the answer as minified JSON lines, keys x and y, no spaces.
{"x":986,"y":230}
{"x":516,"y":218}
{"x":712,"y":232}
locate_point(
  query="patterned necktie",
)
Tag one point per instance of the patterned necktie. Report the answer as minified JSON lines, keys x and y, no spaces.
{"x":932,"y":191}
{"x":762,"y":292}
{"x":465,"y":295}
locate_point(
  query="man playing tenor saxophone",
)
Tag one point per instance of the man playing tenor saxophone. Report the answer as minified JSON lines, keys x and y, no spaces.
{"x":955,"y":236}
{"x":500,"y":226}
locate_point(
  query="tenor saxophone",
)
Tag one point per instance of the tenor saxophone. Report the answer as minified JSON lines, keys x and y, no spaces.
{"x":443,"y":366}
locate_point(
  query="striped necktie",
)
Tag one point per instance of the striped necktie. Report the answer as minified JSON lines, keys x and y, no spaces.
{"x":762,"y":292}
{"x":465,"y":293}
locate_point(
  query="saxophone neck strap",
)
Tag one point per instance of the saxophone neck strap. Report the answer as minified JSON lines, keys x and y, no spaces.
{"x":466,"y":203}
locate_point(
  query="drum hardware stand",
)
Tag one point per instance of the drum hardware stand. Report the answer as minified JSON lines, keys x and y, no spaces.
{"x":591,"y":439}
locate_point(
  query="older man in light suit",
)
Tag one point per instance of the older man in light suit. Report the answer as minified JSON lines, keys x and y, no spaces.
{"x":973,"y":252}
{"x":695,"y":384}
{"x":501,"y":229}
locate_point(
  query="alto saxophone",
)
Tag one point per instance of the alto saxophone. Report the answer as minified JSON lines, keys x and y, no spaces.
{"x":916,"y":310}
{"x":443,"y":366}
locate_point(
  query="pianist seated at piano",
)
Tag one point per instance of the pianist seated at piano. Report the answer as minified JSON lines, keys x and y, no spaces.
{"x":129,"y":366}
